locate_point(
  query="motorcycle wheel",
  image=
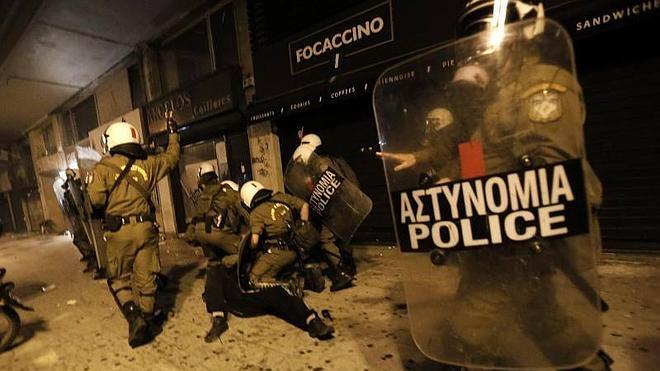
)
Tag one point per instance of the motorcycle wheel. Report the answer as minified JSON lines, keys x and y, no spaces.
{"x":10,"y":323}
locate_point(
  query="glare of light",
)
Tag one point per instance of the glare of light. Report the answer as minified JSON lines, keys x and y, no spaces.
{"x":497,"y":26}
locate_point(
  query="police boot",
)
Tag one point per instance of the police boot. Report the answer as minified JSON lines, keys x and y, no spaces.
{"x":314,"y":278}
{"x":161,"y":281}
{"x":155,"y":322}
{"x":138,"y":329}
{"x":218,"y":327}
{"x":341,"y":280}
{"x":316,"y":328}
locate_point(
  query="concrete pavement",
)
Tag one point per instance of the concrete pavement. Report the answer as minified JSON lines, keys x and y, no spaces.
{"x":76,"y":325}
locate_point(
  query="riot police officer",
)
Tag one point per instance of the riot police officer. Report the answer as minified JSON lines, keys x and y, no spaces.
{"x":77,"y":219}
{"x":272,"y":215}
{"x":121,"y":185}
{"x":530,"y":114}
{"x":218,"y":220}
{"x":340,"y":260}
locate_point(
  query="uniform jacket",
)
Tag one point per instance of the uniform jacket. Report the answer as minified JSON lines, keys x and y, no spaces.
{"x":219,"y":199}
{"x":125,"y":200}
{"x":273,"y":217}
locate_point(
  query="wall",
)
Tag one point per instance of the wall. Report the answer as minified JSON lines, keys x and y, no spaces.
{"x":113,"y":97}
{"x":47,"y":169}
{"x":265,"y":155}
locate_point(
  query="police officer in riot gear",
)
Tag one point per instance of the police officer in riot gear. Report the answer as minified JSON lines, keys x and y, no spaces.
{"x":272,"y":216}
{"x":506,"y":310}
{"x":77,"y":221}
{"x":121,"y":185}
{"x":341,"y":266}
{"x":218,"y":222}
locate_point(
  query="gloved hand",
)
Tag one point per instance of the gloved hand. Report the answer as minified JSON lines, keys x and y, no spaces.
{"x":171,"y":123}
{"x":218,"y":221}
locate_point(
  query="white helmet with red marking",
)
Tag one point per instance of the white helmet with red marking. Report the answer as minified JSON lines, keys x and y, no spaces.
{"x":120,"y":133}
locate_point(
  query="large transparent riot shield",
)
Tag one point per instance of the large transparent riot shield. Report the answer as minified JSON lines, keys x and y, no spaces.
{"x":340,"y":204}
{"x":483,"y":149}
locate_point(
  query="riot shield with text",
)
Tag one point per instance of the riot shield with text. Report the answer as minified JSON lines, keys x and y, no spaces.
{"x":340,"y":204}
{"x":483,"y":149}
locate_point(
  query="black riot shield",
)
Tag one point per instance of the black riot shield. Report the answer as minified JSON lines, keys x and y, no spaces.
{"x":340,"y":204}
{"x":482,"y":142}
{"x":79,"y":202}
{"x":87,"y":159}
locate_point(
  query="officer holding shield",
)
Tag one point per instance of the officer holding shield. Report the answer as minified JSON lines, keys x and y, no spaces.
{"x":508,"y":308}
{"x":121,"y":186}
{"x":75,"y":215}
{"x":341,"y":267}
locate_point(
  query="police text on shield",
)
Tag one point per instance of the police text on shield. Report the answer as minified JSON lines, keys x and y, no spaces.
{"x":544,"y":202}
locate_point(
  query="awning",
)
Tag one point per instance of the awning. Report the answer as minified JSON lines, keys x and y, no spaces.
{"x":338,"y":88}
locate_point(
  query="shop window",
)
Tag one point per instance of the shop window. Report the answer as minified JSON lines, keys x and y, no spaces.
{"x":186,"y":58}
{"x":68,"y":132}
{"x":84,"y":118}
{"x":223,"y":30}
{"x":48,"y":136}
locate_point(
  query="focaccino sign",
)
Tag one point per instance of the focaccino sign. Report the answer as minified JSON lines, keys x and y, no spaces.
{"x":355,"y":34}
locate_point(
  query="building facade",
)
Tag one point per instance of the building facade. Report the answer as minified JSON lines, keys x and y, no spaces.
{"x":246,"y":77}
{"x":316,"y":75}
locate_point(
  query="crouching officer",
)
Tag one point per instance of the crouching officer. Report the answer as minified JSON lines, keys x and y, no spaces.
{"x":272,"y":216}
{"x":341,"y":266}
{"x":218,"y":221}
{"x":121,"y":185}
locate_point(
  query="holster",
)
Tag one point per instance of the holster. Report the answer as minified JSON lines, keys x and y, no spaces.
{"x":111,"y":223}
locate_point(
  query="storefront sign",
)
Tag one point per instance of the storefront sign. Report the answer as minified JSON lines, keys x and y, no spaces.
{"x":208,"y":97}
{"x":310,"y":100}
{"x":615,"y":14}
{"x":362,"y":31}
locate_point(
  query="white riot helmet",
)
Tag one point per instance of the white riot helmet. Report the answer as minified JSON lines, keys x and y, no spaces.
{"x":312,"y":140}
{"x":472,"y":74}
{"x":438,"y":119}
{"x":303,"y":153}
{"x":205,"y":169}
{"x":119,"y":133}
{"x":231,"y":184}
{"x":252,"y":191}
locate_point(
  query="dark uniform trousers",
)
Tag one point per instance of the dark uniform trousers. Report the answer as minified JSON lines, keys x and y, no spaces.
{"x":224,"y":294}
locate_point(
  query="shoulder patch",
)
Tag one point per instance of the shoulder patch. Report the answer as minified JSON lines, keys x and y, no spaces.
{"x":544,"y":106}
{"x":278,"y":211}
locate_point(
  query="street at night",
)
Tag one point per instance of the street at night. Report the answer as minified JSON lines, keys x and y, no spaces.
{"x":75,"y":325}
